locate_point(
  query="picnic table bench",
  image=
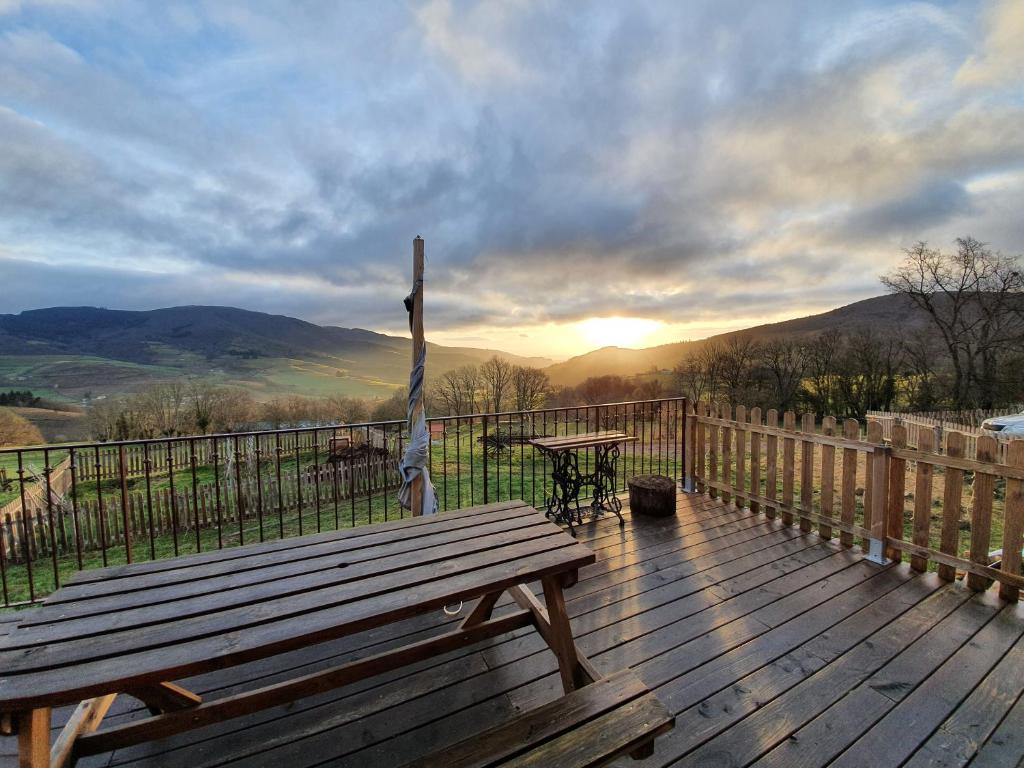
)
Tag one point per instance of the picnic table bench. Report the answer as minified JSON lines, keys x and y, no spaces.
{"x":135,"y":629}
{"x":567,"y":479}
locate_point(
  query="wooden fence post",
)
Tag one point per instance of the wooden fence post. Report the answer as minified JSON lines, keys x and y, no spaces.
{"x":712,"y":453}
{"x":689,"y":451}
{"x":897,"y":489}
{"x":699,"y":443}
{"x":879,"y":494}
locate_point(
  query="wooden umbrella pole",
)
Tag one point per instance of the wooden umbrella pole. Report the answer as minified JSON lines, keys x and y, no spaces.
{"x":417,"y":348}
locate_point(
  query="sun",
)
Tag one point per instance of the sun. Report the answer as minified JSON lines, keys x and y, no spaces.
{"x":616,"y":331}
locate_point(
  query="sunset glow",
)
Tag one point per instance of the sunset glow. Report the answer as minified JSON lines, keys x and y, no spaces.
{"x":617,"y":331}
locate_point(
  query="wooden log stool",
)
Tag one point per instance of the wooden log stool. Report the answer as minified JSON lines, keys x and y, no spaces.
{"x":653,"y":495}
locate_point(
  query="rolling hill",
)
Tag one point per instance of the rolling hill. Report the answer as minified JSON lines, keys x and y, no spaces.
{"x":882,"y":312}
{"x":66,"y":352}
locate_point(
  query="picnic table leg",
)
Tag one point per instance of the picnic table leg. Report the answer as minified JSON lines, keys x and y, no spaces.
{"x":481,"y":611}
{"x":561,"y":640}
{"x":34,"y":738}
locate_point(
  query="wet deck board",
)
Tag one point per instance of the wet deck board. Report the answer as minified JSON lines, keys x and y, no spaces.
{"x":770,"y":646}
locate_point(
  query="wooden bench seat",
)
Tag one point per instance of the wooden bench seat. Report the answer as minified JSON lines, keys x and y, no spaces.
{"x":589,"y":727}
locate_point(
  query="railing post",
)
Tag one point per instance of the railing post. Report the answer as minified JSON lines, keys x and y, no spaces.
{"x":879,"y":494}
{"x":123,"y":467}
{"x":689,"y":423}
{"x":484,"y":444}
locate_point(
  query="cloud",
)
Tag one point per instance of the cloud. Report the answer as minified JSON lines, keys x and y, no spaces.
{"x":713,"y":161}
{"x":1001,"y":58}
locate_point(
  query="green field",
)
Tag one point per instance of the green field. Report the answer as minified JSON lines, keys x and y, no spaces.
{"x":70,"y":378}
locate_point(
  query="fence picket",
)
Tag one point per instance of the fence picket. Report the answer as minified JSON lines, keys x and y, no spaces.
{"x":755,"y":458}
{"x":725,"y":412}
{"x":788,"y":466}
{"x":897,"y":490}
{"x":700,"y":448}
{"x":741,"y":454}
{"x":951,"y":497}
{"x":981,"y":512}
{"x":771,"y":469}
{"x":828,"y":478}
{"x":806,"y":472}
{"x":713,"y":453}
{"x":1013,"y":521}
{"x":923,"y":483}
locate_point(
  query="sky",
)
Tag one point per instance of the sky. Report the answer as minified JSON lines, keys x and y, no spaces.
{"x":583,"y":174}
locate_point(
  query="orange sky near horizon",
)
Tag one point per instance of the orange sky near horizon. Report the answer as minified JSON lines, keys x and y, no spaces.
{"x":564,"y":340}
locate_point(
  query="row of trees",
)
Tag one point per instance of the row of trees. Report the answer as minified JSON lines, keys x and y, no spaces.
{"x":494,"y":386}
{"x":20,"y":397}
{"x":843,"y":373}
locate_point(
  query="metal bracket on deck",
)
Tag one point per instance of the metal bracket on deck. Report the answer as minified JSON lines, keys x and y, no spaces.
{"x":876,"y":552}
{"x":687,"y":485}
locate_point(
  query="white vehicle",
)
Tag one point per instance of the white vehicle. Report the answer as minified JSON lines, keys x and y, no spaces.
{"x":1005,"y":425}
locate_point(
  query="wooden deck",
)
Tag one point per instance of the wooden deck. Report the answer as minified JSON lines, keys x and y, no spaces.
{"x":772,"y":647}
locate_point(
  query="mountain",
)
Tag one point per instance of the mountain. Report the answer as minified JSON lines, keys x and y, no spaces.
{"x":883,"y":313}
{"x":71,"y":350}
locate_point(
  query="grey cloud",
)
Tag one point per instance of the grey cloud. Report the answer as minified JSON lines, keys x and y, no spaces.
{"x":625,"y":157}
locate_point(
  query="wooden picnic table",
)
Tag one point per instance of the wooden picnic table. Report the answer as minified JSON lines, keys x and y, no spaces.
{"x":567,"y":479}
{"x":135,"y":629}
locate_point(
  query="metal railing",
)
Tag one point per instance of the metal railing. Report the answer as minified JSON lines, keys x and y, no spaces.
{"x":89,"y":505}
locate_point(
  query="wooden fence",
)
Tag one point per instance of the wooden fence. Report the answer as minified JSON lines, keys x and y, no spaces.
{"x":964,"y":420}
{"x":856,"y":488}
{"x":96,"y":524}
{"x":916,"y":424}
{"x":36,"y":491}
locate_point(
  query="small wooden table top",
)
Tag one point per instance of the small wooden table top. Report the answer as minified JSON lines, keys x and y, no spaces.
{"x":582,"y":440}
{"x":134,"y":628}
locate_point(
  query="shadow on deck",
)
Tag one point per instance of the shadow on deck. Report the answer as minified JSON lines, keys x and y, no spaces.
{"x":771,"y":646}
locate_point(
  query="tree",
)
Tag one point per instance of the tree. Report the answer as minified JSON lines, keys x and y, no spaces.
{"x":975,"y":300}
{"x":392,"y":409}
{"x":16,"y":430}
{"x":604,"y":389}
{"x":737,"y":361}
{"x":163,"y":408}
{"x":924,"y":381}
{"x":457,"y":390}
{"x":822,"y":375}
{"x":496,"y":380}
{"x":346,"y":410}
{"x":529,"y":386}
{"x":868,"y":371}
{"x":784,"y":362}
{"x":698,"y":375}
{"x":649,"y":389}
{"x":218,"y":409}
